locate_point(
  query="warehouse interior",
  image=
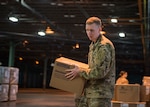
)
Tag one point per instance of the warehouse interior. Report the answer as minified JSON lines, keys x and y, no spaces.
{"x":62,"y":24}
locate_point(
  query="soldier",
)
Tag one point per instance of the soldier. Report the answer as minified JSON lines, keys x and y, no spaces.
{"x":122,"y":78}
{"x":100,"y":77}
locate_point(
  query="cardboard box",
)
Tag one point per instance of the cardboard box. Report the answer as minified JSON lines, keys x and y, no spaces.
{"x":127,"y":104}
{"x":13,"y":92}
{"x":9,"y":75}
{"x":4,"y":74}
{"x":114,"y":96}
{"x":146,"y":80}
{"x":4,"y":89}
{"x":58,"y":79}
{"x":14,"y":75}
{"x":145,"y":93}
{"x":127,"y":93}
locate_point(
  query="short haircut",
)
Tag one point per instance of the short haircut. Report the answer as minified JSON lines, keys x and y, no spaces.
{"x":122,"y":73}
{"x":95,"y":20}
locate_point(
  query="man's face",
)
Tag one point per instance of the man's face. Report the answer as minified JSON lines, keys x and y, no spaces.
{"x":93,"y":31}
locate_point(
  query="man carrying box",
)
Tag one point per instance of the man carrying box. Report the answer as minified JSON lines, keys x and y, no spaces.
{"x":100,"y":77}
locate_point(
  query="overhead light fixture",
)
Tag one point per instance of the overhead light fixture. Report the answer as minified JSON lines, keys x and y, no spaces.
{"x":13,"y":19}
{"x":49,"y":31}
{"x":41,"y":33}
{"x":69,"y":16}
{"x":77,"y":45}
{"x":102,"y":32}
{"x":36,"y":62}
{"x":114,"y":20}
{"x":122,"y":34}
{"x":20,"y":58}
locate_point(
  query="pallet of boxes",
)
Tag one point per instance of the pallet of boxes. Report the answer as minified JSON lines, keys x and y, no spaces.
{"x":8,"y":83}
{"x":58,"y":79}
{"x":145,"y":90}
{"x":132,"y":95}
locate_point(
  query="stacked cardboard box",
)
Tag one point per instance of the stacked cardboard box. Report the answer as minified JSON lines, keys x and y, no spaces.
{"x":127,"y":93}
{"x":8,"y":83}
{"x":58,"y":79}
{"x":132,"y":93}
{"x":128,"y":96}
{"x":145,"y":90}
{"x":127,"y":104}
{"x":145,"y":93}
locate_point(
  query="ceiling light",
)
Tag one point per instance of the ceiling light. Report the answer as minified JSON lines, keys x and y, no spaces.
{"x":114,"y":20}
{"x":53,"y":3}
{"x":20,"y":58}
{"x":60,"y":4}
{"x":111,"y":4}
{"x":72,"y":16}
{"x":104,"y":4}
{"x":69,"y":16}
{"x":41,"y":33}
{"x":122,"y":34}
{"x":102,"y":32}
{"x":132,"y":21}
{"x":37,"y":62}
{"x":25,"y":43}
{"x":49,"y":31}
{"x":13,"y":19}
{"x":77,"y":45}
{"x":66,"y":15}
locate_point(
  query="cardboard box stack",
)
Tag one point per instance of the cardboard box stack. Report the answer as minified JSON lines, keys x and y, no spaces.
{"x":8,"y":83}
{"x":128,"y":93}
{"x":132,"y":94}
{"x":58,"y":79}
{"x":145,"y":90}
{"x":128,"y":104}
{"x":128,"y":96}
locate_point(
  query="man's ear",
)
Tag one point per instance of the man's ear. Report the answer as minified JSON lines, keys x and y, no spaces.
{"x":100,"y":28}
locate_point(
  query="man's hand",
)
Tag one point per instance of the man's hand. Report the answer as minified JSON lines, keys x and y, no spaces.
{"x":72,"y":73}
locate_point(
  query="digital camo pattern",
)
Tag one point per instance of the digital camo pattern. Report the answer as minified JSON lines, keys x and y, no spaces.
{"x":101,"y":78}
{"x":93,"y":102}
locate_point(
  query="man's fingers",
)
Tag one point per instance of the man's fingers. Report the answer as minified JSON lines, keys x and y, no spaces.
{"x":68,"y":75}
{"x":68,"y":70}
{"x":72,"y":77}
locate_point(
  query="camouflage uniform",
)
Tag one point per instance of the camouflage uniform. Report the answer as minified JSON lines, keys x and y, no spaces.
{"x":99,"y":86}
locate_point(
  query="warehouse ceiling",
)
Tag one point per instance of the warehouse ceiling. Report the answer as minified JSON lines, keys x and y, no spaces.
{"x":66,"y":18}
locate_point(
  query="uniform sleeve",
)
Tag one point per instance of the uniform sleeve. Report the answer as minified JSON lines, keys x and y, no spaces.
{"x":101,"y":64}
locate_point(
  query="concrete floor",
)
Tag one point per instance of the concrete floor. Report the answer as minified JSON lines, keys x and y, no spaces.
{"x":41,"y":98}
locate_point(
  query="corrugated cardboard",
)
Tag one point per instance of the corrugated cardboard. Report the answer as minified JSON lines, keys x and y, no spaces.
{"x":127,"y":93}
{"x":114,"y":96}
{"x":146,"y":80}
{"x":127,"y":104}
{"x":13,"y":92}
{"x":145,"y":93}
{"x":58,"y":79}
{"x":9,"y":75}
{"x":4,"y":74}
{"x":14,"y":75}
{"x":4,"y":89}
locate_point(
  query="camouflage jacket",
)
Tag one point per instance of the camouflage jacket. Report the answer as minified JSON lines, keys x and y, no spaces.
{"x":101,"y":76}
